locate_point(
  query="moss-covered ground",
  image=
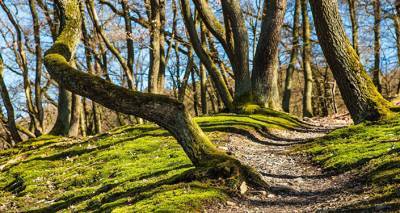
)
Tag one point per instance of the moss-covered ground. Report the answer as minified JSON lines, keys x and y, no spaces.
{"x":372,"y":150}
{"x":129,"y":169}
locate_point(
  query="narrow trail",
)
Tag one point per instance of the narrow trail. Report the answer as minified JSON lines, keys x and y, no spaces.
{"x":296,"y":185}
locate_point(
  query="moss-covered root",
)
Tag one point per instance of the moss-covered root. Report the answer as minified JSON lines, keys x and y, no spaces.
{"x":228,"y":172}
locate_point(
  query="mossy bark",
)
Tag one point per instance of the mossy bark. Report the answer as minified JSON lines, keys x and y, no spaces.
{"x":358,"y":91}
{"x":164,"y":111}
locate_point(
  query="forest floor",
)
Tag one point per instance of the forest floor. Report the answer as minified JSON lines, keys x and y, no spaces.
{"x":140,"y":168}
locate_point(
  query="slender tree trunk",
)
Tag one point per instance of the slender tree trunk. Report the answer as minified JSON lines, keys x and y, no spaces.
{"x":308,"y":74}
{"x":154,"y":11}
{"x":293,"y":58}
{"x":129,"y":41}
{"x":23,"y":63}
{"x":11,"y":125}
{"x":354,"y":24}
{"x":358,"y":91}
{"x":377,"y":75}
{"x":39,"y":67}
{"x":205,"y":57}
{"x":265,"y":61}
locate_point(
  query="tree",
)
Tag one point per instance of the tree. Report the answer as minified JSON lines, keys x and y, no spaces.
{"x":293,"y":58}
{"x":11,"y":125}
{"x":361,"y":97}
{"x":377,"y":75}
{"x":266,"y":64}
{"x":308,"y":75}
{"x":164,"y":111}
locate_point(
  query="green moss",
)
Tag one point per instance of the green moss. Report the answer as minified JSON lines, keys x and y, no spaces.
{"x":372,"y":148}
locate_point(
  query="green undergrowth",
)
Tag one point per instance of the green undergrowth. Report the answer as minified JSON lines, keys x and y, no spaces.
{"x":372,"y":150}
{"x":129,"y":169}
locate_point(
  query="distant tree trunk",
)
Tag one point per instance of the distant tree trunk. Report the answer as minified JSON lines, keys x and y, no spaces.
{"x":205,"y":57}
{"x":195,"y":95}
{"x":265,"y":62}
{"x":308,"y":74}
{"x":354,"y":24}
{"x":293,"y":58}
{"x":203,"y":75}
{"x":129,"y":39}
{"x":358,"y":91}
{"x":154,"y":13}
{"x":127,"y":71}
{"x":39,"y":67}
{"x":23,"y":63}
{"x":11,"y":125}
{"x":377,"y":75}
{"x":164,"y":111}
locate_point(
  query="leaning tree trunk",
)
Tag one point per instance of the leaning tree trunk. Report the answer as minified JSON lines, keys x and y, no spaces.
{"x":265,"y":61}
{"x":358,"y":91}
{"x":164,"y":111}
{"x":11,"y":125}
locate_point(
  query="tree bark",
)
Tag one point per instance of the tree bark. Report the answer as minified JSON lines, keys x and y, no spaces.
{"x":265,"y":61}
{"x":76,"y":108}
{"x":11,"y":125}
{"x":293,"y":58}
{"x":354,"y":24}
{"x":164,"y":111}
{"x":377,"y":75}
{"x":308,"y":74}
{"x":358,"y":91}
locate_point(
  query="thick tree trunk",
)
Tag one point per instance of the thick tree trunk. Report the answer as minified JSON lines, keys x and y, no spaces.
{"x":11,"y":125}
{"x":265,"y":61}
{"x":358,"y":91}
{"x":287,"y":94}
{"x":377,"y":75}
{"x":308,"y":74}
{"x":164,"y":111}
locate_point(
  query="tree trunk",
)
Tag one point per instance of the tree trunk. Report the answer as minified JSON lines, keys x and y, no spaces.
{"x":293,"y":58}
{"x":265,"y":62}
{"x":377,"y":75}
{"x":164,"y":111}
{"x":62,"y":124}
{"x":358,"y":91}
{"x":11,"y":125}
{"x":354,"y":24}
{"x":308,"y":75}
{"x":154,"y":11}
{"x":39,"y":67}
{"x":205,"y":57}
{"x":76,"y":108}
{"x":396,"y":19}
{"x":234,"y":40}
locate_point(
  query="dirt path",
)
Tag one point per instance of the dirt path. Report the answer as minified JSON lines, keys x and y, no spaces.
{"x":296,"y":184}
